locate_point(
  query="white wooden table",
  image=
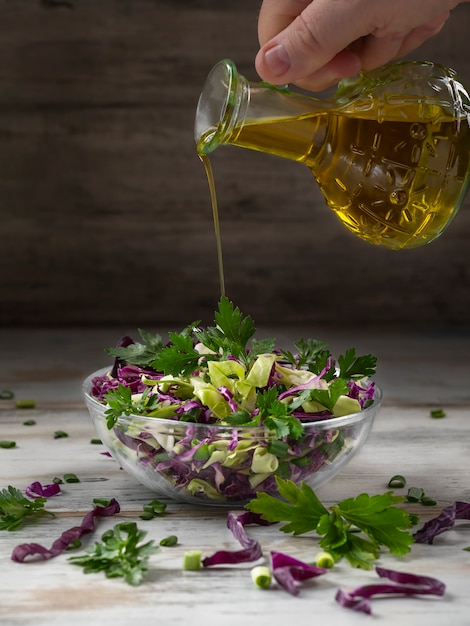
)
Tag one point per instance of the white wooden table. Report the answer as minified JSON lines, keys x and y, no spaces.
{"x":419,"y":371}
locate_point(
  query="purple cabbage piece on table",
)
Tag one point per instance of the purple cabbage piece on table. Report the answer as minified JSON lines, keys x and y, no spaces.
{"x":24,"y":550}
{"x":37,"y":490}
{"x":403,"y":584}
{"x":251,"y":549}
{"x":443,"y":522}
{"x":289,"y":571}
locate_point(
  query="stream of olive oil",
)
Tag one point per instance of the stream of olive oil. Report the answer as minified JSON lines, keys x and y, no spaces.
{"x":215,"y":215}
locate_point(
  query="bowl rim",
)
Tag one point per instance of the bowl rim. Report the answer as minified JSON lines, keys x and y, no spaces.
{"x":331,"y":422}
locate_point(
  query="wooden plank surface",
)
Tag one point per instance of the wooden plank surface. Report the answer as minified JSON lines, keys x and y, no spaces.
{"x":104,"y":206}
{"x":418,"y":369}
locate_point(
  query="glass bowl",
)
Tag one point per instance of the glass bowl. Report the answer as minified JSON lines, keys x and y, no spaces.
{"x":220,"y":465}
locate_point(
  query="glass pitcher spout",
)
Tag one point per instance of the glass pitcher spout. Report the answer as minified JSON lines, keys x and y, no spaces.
{"x":229,"y":103}
{"x":390,"y":150}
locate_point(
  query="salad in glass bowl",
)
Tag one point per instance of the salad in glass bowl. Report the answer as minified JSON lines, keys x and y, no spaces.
{"x":213,"y":415}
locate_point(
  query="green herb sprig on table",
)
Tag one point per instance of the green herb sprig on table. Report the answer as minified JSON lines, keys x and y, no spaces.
{"x":355,"y":528}
{"x":15,"y":508}
{"x":120,"y":554}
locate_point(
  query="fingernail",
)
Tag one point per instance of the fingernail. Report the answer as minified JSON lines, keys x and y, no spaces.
{"x":277,"y":59}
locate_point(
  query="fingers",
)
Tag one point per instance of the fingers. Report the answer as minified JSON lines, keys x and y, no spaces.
{"x":311,"y":39}
{"x":375,"y":51}
{"x":276,"y":15}
{"x":366,"y":53}
{"x":315,"y":43}
{"x":419,"y":35}
{"x":342,"y":65}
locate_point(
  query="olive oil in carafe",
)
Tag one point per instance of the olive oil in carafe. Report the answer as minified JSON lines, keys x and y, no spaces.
{"x":390,"y":150}
{"x":392,"y":183}
{"x":215,"y":216}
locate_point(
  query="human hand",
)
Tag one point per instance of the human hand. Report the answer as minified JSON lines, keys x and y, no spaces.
{"x":315,"y":43}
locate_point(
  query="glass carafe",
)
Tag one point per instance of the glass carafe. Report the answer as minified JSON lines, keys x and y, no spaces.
{"x":390,"y":151}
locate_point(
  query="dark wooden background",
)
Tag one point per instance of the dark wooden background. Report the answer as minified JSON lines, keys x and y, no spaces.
{"x":104,"y":207}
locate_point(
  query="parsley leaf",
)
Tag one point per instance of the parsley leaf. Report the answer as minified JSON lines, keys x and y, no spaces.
{"x":377,"y":517}
{"x":231,"y":334}
{"x":237,"y":329}
{"x":380,"y":520}
{"x":351,"y":366}
{"x":120,"y":402}
{"x":242,"y":417}
{"x":302,"y":515}
{"x":15,"y":508}
{"x":276,"y":415}
{"x":329,"y":397}
{"x":141,"y":354}
{"x":121,"y":553}
{"x":359,"y":552}
{"x":261,"y":346}
{"x":309,"y":353}
{"x":179,"y":358}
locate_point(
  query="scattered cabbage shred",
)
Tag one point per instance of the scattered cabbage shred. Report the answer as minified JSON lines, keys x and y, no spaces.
{"x":21,"y":552}
{"x":402,"y":584}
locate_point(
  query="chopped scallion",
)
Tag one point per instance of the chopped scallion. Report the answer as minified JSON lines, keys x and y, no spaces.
{"x":25,"y":404}
{"x":71,"y":478}
{"x":397,"y":482}
{"x":7,"y":444}
{"x":101,"y":501}
{"x":261,"y":576}
{"x":426,"y":501}
{"x":192,"y":560}
{"x":169,"y":541}
{"x":152,"y":509}
{"x":414,"y":494}
{"x":324,"y":559}
{"x":60,"y":434}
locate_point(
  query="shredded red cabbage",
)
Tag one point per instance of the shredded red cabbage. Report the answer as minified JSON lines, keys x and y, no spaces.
{"x":37,"y":490}
{"x":404,"y":584}
{"x":126,"y":375}
{"x":288,"y":571}
{"x":251,"y":549}
{"x":443,"y":522}
{"x":24,"y":550}
{"x":124,"y":342}
{"x":313,"y":383}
